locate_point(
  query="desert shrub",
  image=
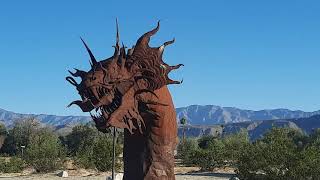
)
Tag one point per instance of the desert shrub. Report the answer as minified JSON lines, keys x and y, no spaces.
{"x":82,"y":137}
{"x":92,"y":149}
{"x":102,"y":153}
{"x":204,"y":141}
{"x":234,"y":145}
{"x":308,"y":165}
{"x":186,"y":149}
{"x":3,"y":134}
{"x":80,"y":143}
{"x":45,"y":152}
{"x":211,"y":152}
{"x":275,"y":156}
{"x":8,"y":147}
{"x":84,"y":158}
{"x":206,"y":153}
{"x":12,"y":165}
{"x":251,"y":161}
{"x":19,"y":135}
{"x":210,"y":157}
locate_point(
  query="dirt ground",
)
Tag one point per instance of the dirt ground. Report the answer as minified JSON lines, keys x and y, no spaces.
{"x":182,"y":173}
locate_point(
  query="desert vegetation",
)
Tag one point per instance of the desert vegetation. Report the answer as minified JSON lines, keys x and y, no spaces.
{"x":30,"y":144}
{"x":282,"y":153}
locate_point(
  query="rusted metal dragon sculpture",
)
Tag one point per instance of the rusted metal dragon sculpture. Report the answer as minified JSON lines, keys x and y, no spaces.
{"x":129,"y":91}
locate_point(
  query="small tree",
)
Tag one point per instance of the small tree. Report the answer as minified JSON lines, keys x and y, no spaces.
{"x":19,"y":135}
{"x":211,"y":156}
{"x":234,"y":145}
{"x":45,"y":152}
{"x":12,"y":165}
{"x":186,"y":151}
{"x":183,"y":122}
{"x":274,"y":156}
{"x":82,"y":137}
{"x":102,"y":153}
{"x":3,"y":134}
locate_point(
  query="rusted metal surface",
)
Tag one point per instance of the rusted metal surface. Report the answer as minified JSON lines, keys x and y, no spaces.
{"x":129,"y":90}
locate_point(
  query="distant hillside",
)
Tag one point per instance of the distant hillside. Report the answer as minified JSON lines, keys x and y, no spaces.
{"x":195,"y":114}
{"x":255,"y":128}
{"x":211,"y":114}
{"x":8,"y":117}
{"x":203,"y":120}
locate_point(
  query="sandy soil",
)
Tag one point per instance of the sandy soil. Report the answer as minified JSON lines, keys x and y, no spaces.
{"x":182,"y":173}
{"x":193,"y":176}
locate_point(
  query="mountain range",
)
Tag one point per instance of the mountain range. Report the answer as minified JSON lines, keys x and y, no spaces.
{"x":195,"y":115}
{"x":255,"y":129}
{"x":211,"y":114}
{"x":201,"y":120}
{"x":8,"y":118}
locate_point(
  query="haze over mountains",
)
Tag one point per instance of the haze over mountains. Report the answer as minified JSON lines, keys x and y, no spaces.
{"x":195,"y":114}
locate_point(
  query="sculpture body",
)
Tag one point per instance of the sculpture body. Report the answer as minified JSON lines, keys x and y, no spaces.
{"x":129,"y":90}
{"x":155,"y":150}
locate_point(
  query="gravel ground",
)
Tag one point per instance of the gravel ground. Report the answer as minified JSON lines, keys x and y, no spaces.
{"x":200,"y":176}
{"x":182,"y":173}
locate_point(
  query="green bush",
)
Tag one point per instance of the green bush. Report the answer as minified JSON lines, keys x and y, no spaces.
{"x":19,"y":135}
{"x":234,"y":145}
{"x":281,"y":154}
{"x":82,"y":137}
{"x":102,"y":154}
{"x":91,"y":148}
{"x":84,"y":158}
{"x":251,"y":162}
{"x":99,"y":155}
{"x":210,"y":152}
{"x":185,"y":151}
{"x":45,"y":152}
{"x":278,"y":156}
{"x":12,"y":165}
{"x":212,"y":156}
{"x":308,"y":166}
{"x":204,"y":141}
{"x":207,"y":153}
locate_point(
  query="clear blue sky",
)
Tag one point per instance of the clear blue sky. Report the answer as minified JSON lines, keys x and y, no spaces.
{"x":246,"y":54}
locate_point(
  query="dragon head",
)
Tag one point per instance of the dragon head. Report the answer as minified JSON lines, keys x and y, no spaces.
{"x":111,"y":90}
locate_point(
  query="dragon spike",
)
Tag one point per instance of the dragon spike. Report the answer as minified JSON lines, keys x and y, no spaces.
{"x":169,"y":42}
{"x":161,"y":48}
{"x":130,"y":51}
{"x":170,"y":68}
{"x":118,"y":37}
{"x":117,"y":45}
{"x":170,"y":81}
{"x":72,"y":81}
{"x":78,"y":73}
{"x":144,"y":39}
{"x":93,"y":59}
{"x":123,"y":56}
{"x":123,"y":50}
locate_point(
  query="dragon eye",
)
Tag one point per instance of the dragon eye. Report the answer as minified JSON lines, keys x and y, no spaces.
{"x":93,"y":78}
